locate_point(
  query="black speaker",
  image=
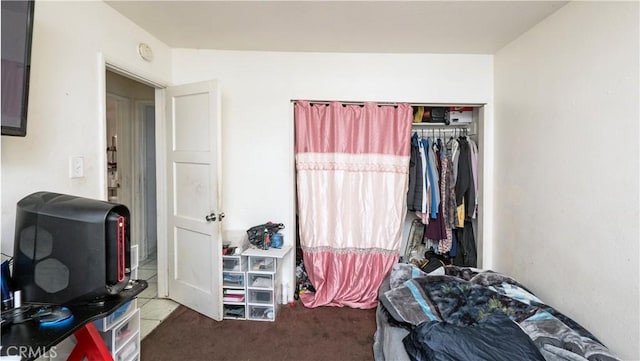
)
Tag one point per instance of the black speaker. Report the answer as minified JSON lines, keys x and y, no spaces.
{"x":70,"y":249}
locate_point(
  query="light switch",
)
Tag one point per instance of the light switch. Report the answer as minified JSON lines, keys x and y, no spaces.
{"x":76,"y":167}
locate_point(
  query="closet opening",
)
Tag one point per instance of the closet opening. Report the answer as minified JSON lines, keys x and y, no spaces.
{"x":427,"y":122}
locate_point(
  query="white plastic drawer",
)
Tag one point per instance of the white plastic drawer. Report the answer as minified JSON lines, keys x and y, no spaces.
{"x":119,"y":314}
{"x":260,"y":296}
{"x":233,"y":263}
{"x":233,"y":279}
{"x":264,"y":264}
{"x":233,"y":295}
{"x":261,"y":313}
{"x":260,"y":280}
{"x":130,"y":350}
{"x":122,"y":332}
{"x":237,"y":312}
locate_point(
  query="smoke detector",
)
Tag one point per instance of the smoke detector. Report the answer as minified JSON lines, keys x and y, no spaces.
{"x":145,"y":52}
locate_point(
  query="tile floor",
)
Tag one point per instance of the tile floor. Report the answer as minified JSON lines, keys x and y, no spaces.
{"x":153,"y":310}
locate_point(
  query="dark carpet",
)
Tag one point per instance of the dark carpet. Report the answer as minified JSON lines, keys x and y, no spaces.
{"x":299,"y":333}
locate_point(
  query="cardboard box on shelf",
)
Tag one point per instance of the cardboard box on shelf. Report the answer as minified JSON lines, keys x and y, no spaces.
{"x":458,"y":115}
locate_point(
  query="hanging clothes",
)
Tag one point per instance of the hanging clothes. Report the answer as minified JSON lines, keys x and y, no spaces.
{"x":455,"y":154}
{"x":424,"y":201}
{"x":466,"y":255}
{"x":448,"y":202}
{"x":465,"y":189}
{"x":436,"y":230}
{"x":447,"y":199}
{"x":454,"y":245}
{"x":418,"y":180}
{"x":474,"y":169}
{"x":449,"y":194}
{"x":434,"y":179}
{"x":413,"y":162}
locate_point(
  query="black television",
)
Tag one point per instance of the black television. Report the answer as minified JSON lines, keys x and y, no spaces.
{"x":17,"y":33}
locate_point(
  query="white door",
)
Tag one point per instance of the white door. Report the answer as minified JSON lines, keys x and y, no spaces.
{"x":194,"y":252}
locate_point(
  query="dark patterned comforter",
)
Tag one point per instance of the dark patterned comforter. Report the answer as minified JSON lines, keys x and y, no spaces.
{"x":466,"y":297}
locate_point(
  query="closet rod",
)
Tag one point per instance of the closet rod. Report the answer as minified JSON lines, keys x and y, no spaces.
{"x":440,"y":126}
{"x":327,"y":102}
{"x":434,"y":132}
{"x":444,"y":129}
{"x":440,"y":130}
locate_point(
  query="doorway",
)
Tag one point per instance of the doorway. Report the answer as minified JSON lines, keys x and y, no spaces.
{"x":131,"y":158}
{"x":131,"y":179}
{"x":183,"y":273}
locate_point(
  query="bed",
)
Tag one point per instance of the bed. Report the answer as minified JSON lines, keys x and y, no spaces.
{"x":458,"y":313}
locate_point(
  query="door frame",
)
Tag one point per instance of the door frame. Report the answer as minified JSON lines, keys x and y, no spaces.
{"x":107,"y":62}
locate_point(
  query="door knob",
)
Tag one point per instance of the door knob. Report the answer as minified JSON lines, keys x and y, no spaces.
{"x":210,"y":217}
{"x":220,"y":216}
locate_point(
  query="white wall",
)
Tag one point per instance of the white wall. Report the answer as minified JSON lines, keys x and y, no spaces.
{"x":257,"y":124}
{"x":66,"y":102}
{"x":566,"y":166}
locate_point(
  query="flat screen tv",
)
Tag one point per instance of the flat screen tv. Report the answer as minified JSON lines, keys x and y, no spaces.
{"x":17,"y":31}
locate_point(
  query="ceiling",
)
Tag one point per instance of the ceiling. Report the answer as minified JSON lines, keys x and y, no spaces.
{"x":472,"y":27}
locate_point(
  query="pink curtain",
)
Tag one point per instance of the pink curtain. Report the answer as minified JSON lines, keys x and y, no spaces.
{"x":352,"y":167}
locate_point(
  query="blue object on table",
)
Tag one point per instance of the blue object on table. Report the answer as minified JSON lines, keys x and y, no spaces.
{"x":7,"y":297}
{"x":57,"y":316}
{"x":276,"y":240}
